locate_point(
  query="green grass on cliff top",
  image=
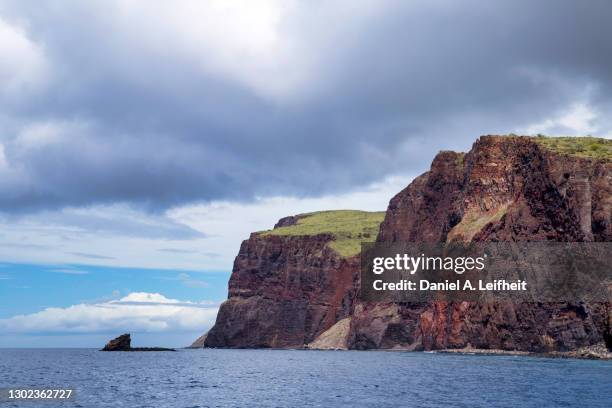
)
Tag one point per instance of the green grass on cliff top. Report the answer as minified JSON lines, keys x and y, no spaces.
{"x":349,"y":227}
{"x":589,"y":147}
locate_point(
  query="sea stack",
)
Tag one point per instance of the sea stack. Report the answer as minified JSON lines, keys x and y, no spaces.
{"x":121,"y":343}
{"x":124,"y":343}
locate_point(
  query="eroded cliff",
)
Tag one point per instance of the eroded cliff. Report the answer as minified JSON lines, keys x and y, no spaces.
{"x":290,"y":285}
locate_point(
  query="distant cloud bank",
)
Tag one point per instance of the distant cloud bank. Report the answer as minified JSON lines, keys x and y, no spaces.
{"x":136,"y":312}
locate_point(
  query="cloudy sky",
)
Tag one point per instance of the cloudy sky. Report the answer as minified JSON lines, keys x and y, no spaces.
{"x":149,"y":138}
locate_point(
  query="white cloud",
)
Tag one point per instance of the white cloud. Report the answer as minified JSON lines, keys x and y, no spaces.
{"x":41,"y":134}
{"x":228,"y":223}
{"x":578,"y":120}
{"x":147,"y":297}
{"x":187,"y":280}
{"x":201,"y":237}
{"x":276,"y":48}
{"x":237,"y":39}
{"x":3,"y":161}
{"x":23,"y":63}
{"x":190,"y":282}
{"x":136,"y":312}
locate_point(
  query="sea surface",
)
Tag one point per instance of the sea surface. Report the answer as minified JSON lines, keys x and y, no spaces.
{"x":304,"y":378}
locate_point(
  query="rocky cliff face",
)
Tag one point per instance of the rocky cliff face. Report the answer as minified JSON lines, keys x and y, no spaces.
{"x":505,"y":189}
{"x":283,"y":292}
{"x":288,"y":290}
{"x":288,"y":285}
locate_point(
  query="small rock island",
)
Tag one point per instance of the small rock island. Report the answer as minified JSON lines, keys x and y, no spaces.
{"x":124,"y":343}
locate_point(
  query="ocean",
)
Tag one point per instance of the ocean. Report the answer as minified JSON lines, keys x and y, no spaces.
{"x":304,"y":378}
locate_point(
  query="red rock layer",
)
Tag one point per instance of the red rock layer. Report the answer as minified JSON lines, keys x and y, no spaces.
{"x":284,"y":291}
{"x":504,"y":189}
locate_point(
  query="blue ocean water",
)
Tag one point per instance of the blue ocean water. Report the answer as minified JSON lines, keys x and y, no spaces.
{"x":302,"y":378}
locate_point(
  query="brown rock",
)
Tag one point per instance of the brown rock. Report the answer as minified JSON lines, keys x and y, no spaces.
{"x":504,"y":189}
{"x":286,"y":291}
{"x":199,"y":342}
{"x":121,"y":343}
{"x":334,"y":338}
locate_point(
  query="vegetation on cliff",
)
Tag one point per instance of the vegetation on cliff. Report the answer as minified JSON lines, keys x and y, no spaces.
{"x":474,"y":222}
{"x":589,"y":147}
{"x":350,"y":228}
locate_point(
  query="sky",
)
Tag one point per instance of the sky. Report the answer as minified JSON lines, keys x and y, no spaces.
{"x":141,"y":142}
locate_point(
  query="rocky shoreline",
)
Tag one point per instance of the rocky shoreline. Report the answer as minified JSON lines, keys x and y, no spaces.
{"x":594,"y":352}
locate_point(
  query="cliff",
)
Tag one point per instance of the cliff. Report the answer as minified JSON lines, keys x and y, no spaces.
{"x":292,"y":283}
{"x":298,"y":284}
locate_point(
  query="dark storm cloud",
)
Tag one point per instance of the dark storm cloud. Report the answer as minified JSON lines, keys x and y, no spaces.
{"x":385,"y":92}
